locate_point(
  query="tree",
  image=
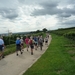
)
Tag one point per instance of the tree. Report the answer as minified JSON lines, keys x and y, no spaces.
{"x":44,"y":30}
{"x":37,"y":31}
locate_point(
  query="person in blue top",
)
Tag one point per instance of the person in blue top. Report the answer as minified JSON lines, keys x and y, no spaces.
{"x":36,"y":42}
{"x":18,"y":46}
{"x":1,"y":47}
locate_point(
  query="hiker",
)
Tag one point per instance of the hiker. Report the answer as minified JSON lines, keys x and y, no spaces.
{"x":22,"y":43}
{"x":27,"y":42}
{"x":1,"y":47}
{"x":41,"y":42}
{"x":18,"y":46}
{"x":36,"y":42}
{"x":31,"y":43}
{"x":47,"y":34}
{"x":46,"y":40}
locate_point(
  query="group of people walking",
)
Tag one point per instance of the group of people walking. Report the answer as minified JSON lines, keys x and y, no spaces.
{"x":30,"y":42}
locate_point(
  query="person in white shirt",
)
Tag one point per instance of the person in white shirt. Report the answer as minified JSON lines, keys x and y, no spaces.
{"x":46,"y":40}
{"x":22,"y":43}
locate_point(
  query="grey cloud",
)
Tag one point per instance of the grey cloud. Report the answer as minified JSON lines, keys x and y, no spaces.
{"x":48,"y":4}
{"x":69,"y":22}
{"x":8,"y":13}
{"x":50,"y":8}
{"x":46,"y":12}
{"x":30,"y":2}
{"x":65,"y":15}
{"x":71,"y":1}
{"x":66,"y":12}
{"x":69,"y":10}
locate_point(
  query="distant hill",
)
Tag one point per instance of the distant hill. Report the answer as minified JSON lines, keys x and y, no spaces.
{"x":67,"y":32}
{"x":15,"y":33}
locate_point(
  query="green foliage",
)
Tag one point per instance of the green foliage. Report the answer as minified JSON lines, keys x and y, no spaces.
{"x":10,"y":49}
{"x":69,"y":33}
{"x":56,"y":60}
{"x":38,"y":31}
{"x":11,"y":39}
{"x":44,"y":30}
{"x":38,"y":34}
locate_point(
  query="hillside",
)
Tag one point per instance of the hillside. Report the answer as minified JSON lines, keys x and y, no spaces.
{"x":67,"y":32}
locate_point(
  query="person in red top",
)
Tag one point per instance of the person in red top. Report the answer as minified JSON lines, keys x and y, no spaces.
{"x":27,"y":42}
{"x":31,"y":43}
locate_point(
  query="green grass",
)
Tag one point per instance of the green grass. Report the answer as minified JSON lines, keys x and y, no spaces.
{"x":10,"y":49}
{"x":56,"y":60}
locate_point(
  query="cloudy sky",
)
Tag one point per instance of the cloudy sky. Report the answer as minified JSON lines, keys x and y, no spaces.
{"x":32,"y":15}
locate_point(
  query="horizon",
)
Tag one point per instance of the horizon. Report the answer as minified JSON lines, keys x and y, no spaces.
{"x":35,"y":31}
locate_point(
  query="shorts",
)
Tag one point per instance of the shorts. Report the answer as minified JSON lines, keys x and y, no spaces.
{"x":1,"y":47}
{"x":22,"y":44}
{"x":41,"y":44}
{"x":35,"y":44}
{"x":18,"y":47}
{"x":46,"y":41}
{"x":32,"y":46}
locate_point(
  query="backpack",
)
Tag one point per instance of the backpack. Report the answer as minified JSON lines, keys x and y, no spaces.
{"x":18,"y":42}
{"x":40,"y":40}
{"x":21,"y":41}
{"x":30,"y":42}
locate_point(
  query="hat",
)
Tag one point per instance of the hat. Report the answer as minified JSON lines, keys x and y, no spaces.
{"x":18,"y":38}
{"x":21,"y":37}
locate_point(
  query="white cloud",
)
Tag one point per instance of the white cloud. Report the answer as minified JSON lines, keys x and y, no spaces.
{"x":26,"y":15}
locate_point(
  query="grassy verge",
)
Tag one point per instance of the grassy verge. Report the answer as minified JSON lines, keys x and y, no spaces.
{"x":10,"y":49}
{"x":57,"y":60}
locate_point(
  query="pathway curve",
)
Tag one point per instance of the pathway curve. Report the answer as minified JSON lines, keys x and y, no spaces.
{"x":17,"y":65}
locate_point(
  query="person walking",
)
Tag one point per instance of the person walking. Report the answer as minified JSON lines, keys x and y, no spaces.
{"x":22,"y":43}
{"x":36,"y":42}
{"x":1,"y":47}
{"x":41,"y":42}
{"x":18,"y":46}
{"x":46,"y":40}
{"x":27,"y":42}
{"x":31,"y":43}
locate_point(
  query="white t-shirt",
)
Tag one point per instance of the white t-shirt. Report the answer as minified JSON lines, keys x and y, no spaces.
{"x":1,"y":42}
{"x":21,"y":41}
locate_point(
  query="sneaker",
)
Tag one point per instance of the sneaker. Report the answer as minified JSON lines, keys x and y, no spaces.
{"x":3,"y":56}
{"x":17,"y":54}
{"x":31,"y":53}
{"x":36,"y":49}
{"x":21,"y":52}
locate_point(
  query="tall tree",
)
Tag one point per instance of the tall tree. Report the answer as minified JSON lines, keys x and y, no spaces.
{"x":44,"y":30}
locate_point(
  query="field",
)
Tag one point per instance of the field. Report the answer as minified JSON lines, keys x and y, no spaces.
{"x":67,"y":32}
{"x":9,"y":49}
{"x":59,"y":59}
